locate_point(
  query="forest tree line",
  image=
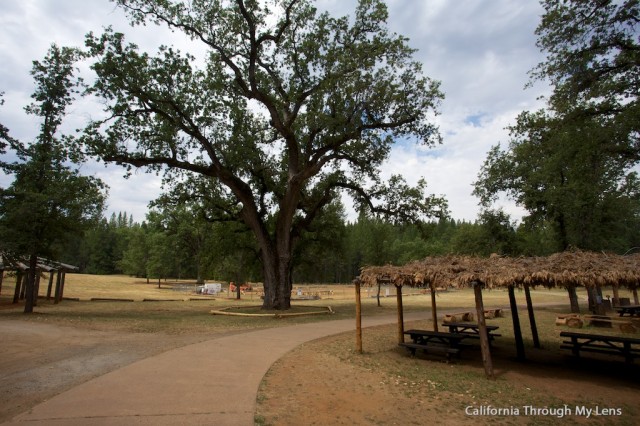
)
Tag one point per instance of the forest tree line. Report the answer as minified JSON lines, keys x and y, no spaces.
{"x":177,"y":243}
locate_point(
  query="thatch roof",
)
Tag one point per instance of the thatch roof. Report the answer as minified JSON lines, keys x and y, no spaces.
{"x":571,"y":268}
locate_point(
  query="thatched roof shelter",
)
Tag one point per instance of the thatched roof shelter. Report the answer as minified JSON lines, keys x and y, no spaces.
{"x":568,"y":269}
{"x":572,"y":268}
{"x":21,"y":268}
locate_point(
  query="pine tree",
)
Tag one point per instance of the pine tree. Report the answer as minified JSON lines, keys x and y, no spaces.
{"x":48,"y":199}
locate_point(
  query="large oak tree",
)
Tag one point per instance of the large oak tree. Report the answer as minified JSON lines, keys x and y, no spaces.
{"x":287,"y":108}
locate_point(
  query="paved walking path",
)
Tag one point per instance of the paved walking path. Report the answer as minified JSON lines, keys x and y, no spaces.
{"x":208,"y":383}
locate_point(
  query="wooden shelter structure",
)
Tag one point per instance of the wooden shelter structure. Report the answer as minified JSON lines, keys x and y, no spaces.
{"x":20,"y":267}
{"x":568,"y":269}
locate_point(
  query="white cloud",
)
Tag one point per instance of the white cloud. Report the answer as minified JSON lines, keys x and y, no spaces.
{"x":481,"y":51}
{"x":131,"y":195}
{"x":451,"y":169}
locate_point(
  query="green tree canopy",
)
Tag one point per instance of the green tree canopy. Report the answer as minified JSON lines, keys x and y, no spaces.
{"x":593,"y":60}
{"x":288,"y":108}
{"x":578,"y":177}
{"x":572,"y":166}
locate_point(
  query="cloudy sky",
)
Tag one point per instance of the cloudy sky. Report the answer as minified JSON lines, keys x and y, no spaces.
{"x":480,"y":50}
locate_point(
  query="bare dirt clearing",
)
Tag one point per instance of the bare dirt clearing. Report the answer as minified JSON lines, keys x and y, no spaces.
{"x":326,"y":383}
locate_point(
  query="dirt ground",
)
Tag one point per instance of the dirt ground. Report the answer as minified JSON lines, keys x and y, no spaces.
{"x":38,"y":360}
{"x":308,"y":386}
{"x":312,"y":386}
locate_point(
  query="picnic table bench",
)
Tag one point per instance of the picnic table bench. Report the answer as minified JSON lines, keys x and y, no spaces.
{"x":631,"y":310}
{"x":434,"y":341}
{"x":472,"y":330}
{"x":628,"y":347}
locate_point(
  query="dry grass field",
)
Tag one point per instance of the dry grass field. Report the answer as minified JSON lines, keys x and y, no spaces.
{"x":98,"y":301}
{"x":322,"y":382}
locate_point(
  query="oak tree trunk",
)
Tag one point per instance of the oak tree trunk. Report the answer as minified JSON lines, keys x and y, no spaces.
{"x":276,"y":266}
{"x":276,"y":252}
{"x":277,"y":284}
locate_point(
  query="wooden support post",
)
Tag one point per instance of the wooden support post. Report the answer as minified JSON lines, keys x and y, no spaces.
{"x":616,"y":295}
{"x":50,"y":286}
{"x":573,"y":299}
{"x":516,"y":324}
{"x":592,"y":299}
{"x":358,"y":318}
{"x":64,"y":278}
{"x":16,"y":292}
{"x":1,"y":278}
{"x":434,"y":313}
{"x":635,"y":296}
{"x":532,"y":317}
{"x":484,"y":337}
{"x":23,"y":286}
{"x":600,"y":308}
{"x":56,"y":297}
{"x":400,"y":314}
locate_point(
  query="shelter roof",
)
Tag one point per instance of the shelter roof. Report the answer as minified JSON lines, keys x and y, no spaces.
{"x":570,"y":268}
{"x":21,"y":263}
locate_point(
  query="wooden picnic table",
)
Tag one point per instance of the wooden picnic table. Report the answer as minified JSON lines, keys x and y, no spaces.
{"x":631,"y":310}
{"x":628,"y":347}
{"x":472,"y":330}
{"x":434,"y":341}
